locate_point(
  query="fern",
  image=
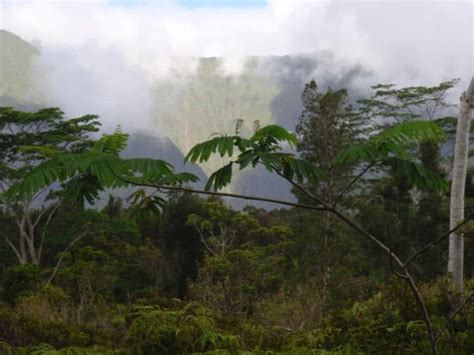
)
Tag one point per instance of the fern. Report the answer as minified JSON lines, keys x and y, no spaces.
{"x":85,"y":174}
{"x":263,"y":147}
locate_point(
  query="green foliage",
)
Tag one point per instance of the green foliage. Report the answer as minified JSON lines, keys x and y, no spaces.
{"x":46,"y":349}
{"x":100,"y":167}
{"x":252,"y":281}
{"x":19,"y":280}
{"x":388,"y":320}
{"x":27,"y":137}
{"x":390,"y":105}
{"x":392,"y":148}
{"x":327,"y":124}
{"x":30,"y":138}
{"x":22,"y":329}
{"x":245,"y":261}
{"x":190,"y":329}
{"x":260,"y":148}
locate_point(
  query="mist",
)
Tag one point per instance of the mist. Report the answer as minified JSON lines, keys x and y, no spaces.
{"x":106,"y":57}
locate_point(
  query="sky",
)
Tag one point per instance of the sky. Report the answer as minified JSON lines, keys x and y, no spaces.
{"x":111,"y":48}
{"x":194,"y":3}
{"x":395,"y":38}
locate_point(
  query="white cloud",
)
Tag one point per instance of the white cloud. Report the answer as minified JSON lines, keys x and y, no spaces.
{"x":408,"y":42}
{"x":408,"y":38}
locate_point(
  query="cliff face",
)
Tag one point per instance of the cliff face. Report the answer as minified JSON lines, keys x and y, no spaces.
{"x":184,"y":110}
{"x":16,"y":68}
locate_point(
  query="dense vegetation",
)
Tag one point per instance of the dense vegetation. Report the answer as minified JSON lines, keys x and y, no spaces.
{"x":167,"y":271}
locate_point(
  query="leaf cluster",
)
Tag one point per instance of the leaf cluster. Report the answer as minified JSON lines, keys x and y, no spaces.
{"x":263,"y":147}
{"x":87,"y":173}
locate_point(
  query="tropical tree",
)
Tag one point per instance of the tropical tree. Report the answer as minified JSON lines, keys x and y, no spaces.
{"x":28,"y":139}
{"x":221,"y":228}
{"x":327,"y":124}
{"x":393,"y":148}
{"x":458,"y":184}
{"x":391,"y":206}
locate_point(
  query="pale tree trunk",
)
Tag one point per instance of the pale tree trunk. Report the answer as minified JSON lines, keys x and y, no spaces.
{"x":28,"y":244}
{"x":458,"y":182}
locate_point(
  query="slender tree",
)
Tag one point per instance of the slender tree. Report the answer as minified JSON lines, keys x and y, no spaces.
{"x":28,"y":139}
{"x":458,"y":184}
{"x":327,"y":124}
{"x":393,"y":147}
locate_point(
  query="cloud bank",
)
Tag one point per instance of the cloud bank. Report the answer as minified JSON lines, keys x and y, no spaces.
{"x":103,"y":58}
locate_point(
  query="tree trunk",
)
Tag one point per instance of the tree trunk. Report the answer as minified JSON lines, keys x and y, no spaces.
{"x":458,"y":182}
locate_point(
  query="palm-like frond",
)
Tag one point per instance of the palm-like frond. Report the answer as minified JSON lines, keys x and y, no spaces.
{"x":393,"y":148}
{"x":97,"y":169}
{"x":201,"y":152}
{"x":417,"y":174}
{"x":411,"y":132}
{"x":263,"y":147}
{"x":275,"y":132}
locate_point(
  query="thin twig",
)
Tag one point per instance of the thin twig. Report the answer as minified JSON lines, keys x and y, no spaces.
{"x":223,"y":194}
{"x":58,"y":264}
{"x":302,"y":189}
{"x":15,"y":250}
{"x":438,"y":240}
{"x":353,"y":181}
{"x":46,"y":224}
{"x":451,"y":317}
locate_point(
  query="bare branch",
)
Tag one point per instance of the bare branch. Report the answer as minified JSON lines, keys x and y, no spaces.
{"x":46,"y":224}
{"x":15,"y":250}
{"x":203,"y":240}
{"x":224,"y":194}
{"x":353,"y":181}
{"x":453,"y":314}
{"x":438,"y":240}
{"x":58,"y":264}
{"x":426,"y":315}
{"x":303,"y":190}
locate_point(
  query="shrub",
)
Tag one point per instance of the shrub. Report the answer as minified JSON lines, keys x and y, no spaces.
{"x":157,"y":331}
{"x":19,"y":281}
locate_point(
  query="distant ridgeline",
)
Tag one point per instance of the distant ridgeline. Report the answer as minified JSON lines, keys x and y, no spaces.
{"x":186,"y":112}
{"x":17,"y":71}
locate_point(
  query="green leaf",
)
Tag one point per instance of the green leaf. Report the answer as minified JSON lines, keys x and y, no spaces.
{"x":276,"y":132}
{"x":202,"y":152}
{"x":417,"y":174}
{"x":220,"y":178}
{"x":111,"y":143}
{"x":410,"y":132}
{"x":357,"y":153}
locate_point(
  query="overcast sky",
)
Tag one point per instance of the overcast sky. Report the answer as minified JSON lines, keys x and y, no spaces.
{"x":107,"y":53}
{"x":405,"y":39}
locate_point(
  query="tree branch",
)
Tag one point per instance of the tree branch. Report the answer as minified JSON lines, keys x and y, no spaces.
{"x":438,"y":240}
{"x":203,"y":240}
{"x":451,"y":317}
{"x":58,"y":264}
{"x":223,"y":194}
{"x":325,"y":207}
{"x":353,"y":181}
{"x":15,"y":250}
{"x":46,"y":224}
{"x":303,"y":190}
